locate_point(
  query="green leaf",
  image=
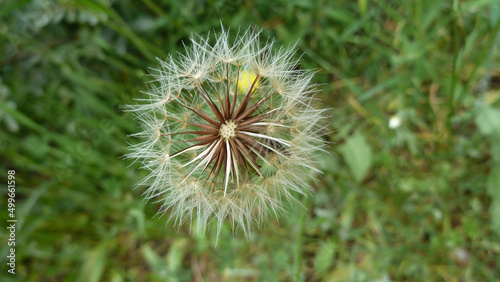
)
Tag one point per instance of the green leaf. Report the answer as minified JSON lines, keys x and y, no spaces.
{"x":493,"y":189}
{"x":495,"y":216}
{"x":362,"y":7}
{"x":493,"y":186}
{"x":324,"y":258}
{"x":488,"y":120}
{"x":495,"y":149}
{"x":155,"y":261}
{"x":138,"y":215}
{"x":358,"y":155}
{"x":494,"y":10}
{"x":95,"y":261}
{"x":176,"y":254}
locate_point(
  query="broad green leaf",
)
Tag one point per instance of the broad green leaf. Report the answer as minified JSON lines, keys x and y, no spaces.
{"x":495,"y":150}
{"x":494,"y":183}
{"x":324,"y":258}
{"x":493,"y":189}
{"x":155,"y":261}
{"x":358,"y":155}
{"x":176,"y":254}
{"x":138,"y":215}
{"x":494,"y":10}
{"x":362,"y":7}
{"x":495,"y":215}
{"x":95,"y":261}
{"x":488,"y":120}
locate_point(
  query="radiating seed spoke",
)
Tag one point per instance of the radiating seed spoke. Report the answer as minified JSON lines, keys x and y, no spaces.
{"x":200,"y":114}
{"x":233,"y":104}
{"x":248,"y":156}
{"x":200,"y":125}
{"x":213,"y":161}
{"x":203,"y":139}
{"x":272,"y":149}
{"x":253,"y":119}
{"x":205,"y":159}
{"x":252,"y":127}
{"x":255,"y":107}
{"x":237,"y":160}
{"x":226,"y":101}
{"x":220,"y":163}
{"x":216,"y":89}
{"x":190,"y":148}
{"x":266,"y":137}
{"x":196,"y":132}
{"x":200,"y":155}
{"x":228,"y":166}
{"x":245,"y":101}
{"x":251,"y":143}
{"x":271,"y":123}
{"x":211,"y":104}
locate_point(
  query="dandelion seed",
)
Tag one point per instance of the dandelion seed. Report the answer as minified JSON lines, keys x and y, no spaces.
{"x":230,"y":133}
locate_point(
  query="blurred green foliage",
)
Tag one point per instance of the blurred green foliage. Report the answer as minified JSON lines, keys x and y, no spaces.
{"x":415,"y":202}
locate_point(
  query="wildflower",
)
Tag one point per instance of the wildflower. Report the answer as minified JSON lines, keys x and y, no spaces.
{"x":229,"y":132}
{"x":394,"y":122}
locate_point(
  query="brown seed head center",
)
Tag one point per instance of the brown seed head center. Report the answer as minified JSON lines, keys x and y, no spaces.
{"x":228,"y":130}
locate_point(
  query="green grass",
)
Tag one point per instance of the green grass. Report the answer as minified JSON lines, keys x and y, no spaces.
{"x":420,"y":202}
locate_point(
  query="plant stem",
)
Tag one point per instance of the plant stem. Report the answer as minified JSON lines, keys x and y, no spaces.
{"x":298,"y":243}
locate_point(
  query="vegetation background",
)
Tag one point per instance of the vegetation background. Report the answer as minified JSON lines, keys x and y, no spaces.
{"x":415,"y":201}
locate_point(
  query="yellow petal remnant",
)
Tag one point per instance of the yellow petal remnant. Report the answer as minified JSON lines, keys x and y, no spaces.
{"x":246,"y":80}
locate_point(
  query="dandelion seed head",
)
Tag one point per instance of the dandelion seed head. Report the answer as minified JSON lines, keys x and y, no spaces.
{"x":229,"y":131}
